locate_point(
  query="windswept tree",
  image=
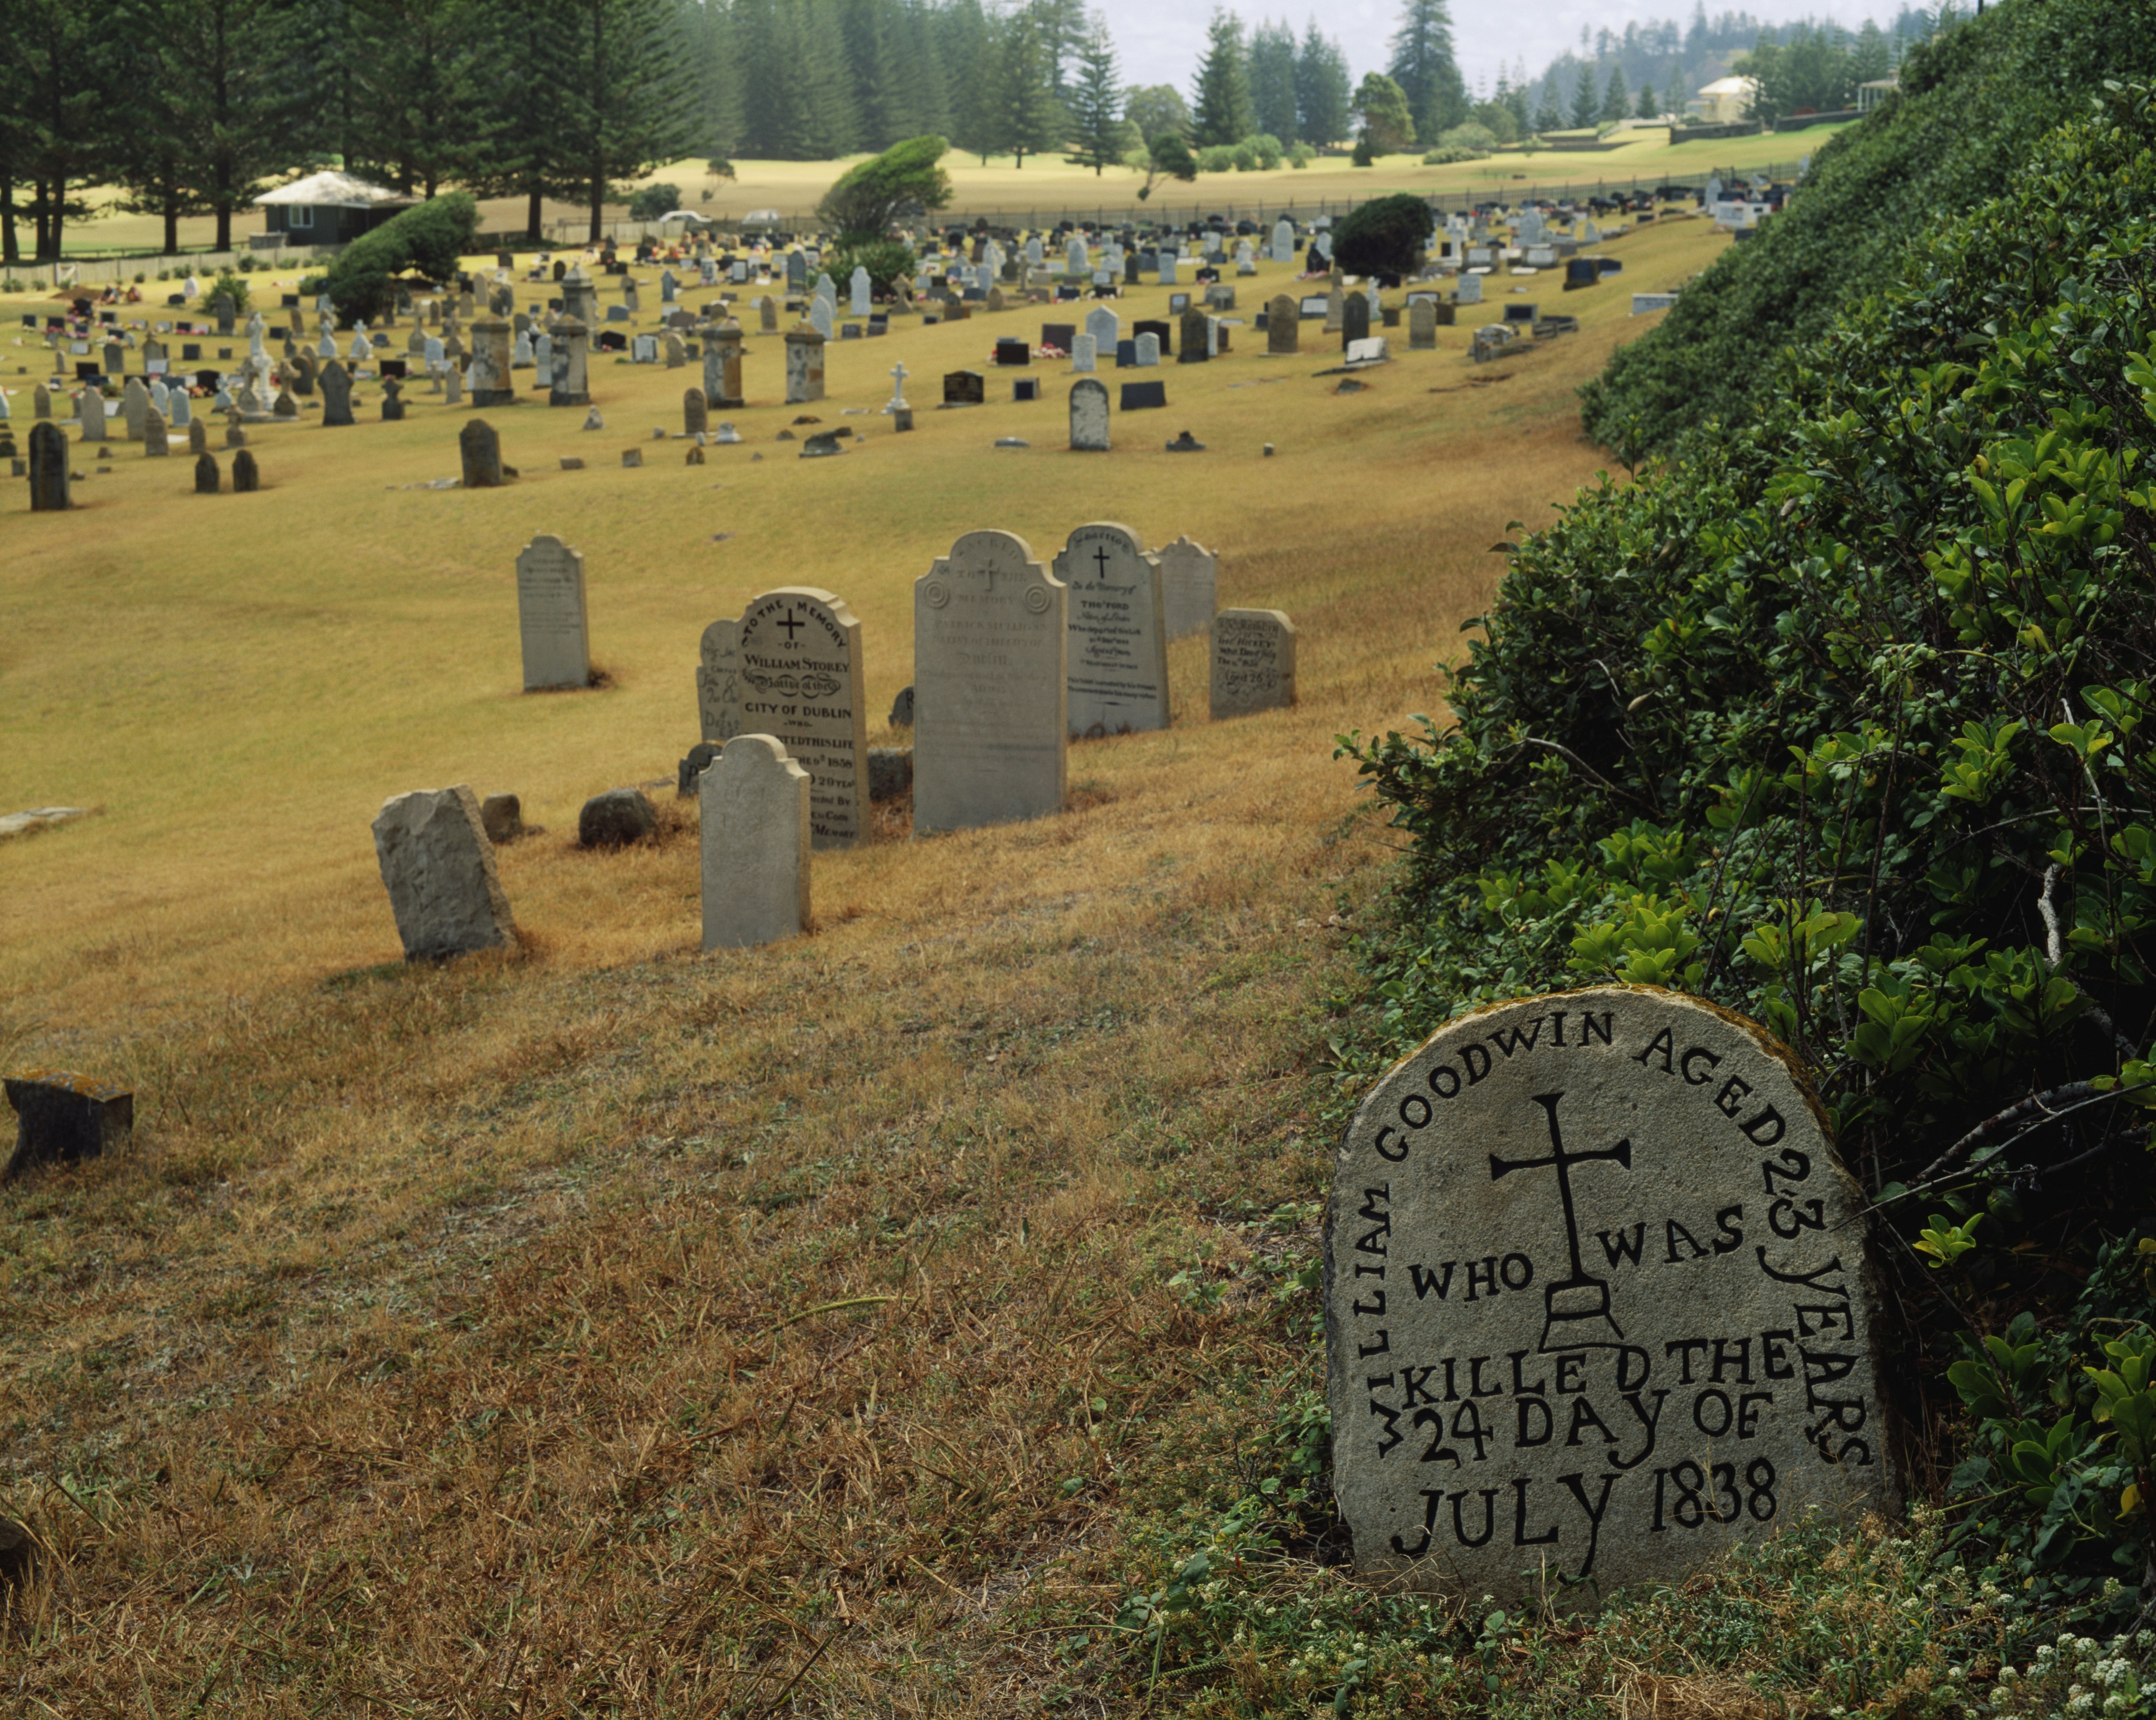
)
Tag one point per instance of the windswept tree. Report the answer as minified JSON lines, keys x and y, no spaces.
{"x":1384,"y":125}
{"x":905,"y":182}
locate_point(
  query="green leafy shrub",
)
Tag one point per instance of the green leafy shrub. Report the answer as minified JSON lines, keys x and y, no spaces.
{"x":430,"y":238}
{"x":872,"y":197}
{"x":1449,"y":153}
{"x":1384,"y":236}
{"x":887,"y":260}
{"x":234,"y":288}
{"x":1841,"y":720}
{"x":248,"y":265}
{"x":1974,"y":102}
{"x":1217,"y":158}
{"x":1301,"y":155}
{"x":653,"y":201}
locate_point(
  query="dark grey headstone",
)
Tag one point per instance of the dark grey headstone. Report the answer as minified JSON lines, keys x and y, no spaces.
{"x":246,"y":475}
{"x":901,"y":709}
{"x":693,"y":765}
{"x":48,"y":468}
{"x":615,"y":818}
{"x":207,"y":475}
{"x":62,"y":1118}
{"x":890,"y":772}
{"x":1138,"y":396}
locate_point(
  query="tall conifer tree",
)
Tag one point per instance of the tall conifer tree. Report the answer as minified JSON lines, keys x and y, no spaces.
{"x":1321,"y":89}
{"x":1272,"y":81}
{"x":1095,"y":102}
{"x":1422,"y":66}
{"x":1221,"y":103}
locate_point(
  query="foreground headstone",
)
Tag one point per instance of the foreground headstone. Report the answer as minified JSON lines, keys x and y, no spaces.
{"x":1190,"y":576}
{"x":1253,"y":662}
{"x":62,"y":1118}
{"x":801,"y":679}
{"x":1596,"y":1303}
{"x":438,"y":866}
{"x":50,"y":491}
{"x":1118,"y":643}
{"x":549,"y":615}
{"x":718,"y":681}
{"x":990,"y":657}
{"x":754,"y":807}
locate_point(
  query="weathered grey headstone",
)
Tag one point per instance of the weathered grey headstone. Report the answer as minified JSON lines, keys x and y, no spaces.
{"x":337,"y":396}
{"x":492,"y":384}
{"x":1422,"y":325}
{"x":1469,"y":290}
{"x":1148,"y":351}
{"x":723,"y":366}
{"x":134,"y":404}
{"x":1190,"y":578}
{"x":1118,"y":636}
{"x":804,"y":366}
{"x":49,"y":484}
{"x":754,"y":807}
{"x":800,"y":673}
{"x":571,"y":386}
{"x":1253,"y":662}
{"x":198,"y":437}
{"x":89,"y":415}
{"x":1283,"y":326}
{"x":615,"y":819}
{"x":246,"y":475}
{"x":990,"y":657}
{"x":481,"y":450}
{"x":63,"y":1118}
{"x":1354,"y":321}
{"x":1572,"y":1345}
{"x":1083,"y":354}
{"x":154,"y":445}
{"x":1089,"y":415}
{"x":551,"y":616}
{"x":695,"y":413}
{"x":438,"y":866}
{"x":207,"y":477}
{"x":1194,"y":339}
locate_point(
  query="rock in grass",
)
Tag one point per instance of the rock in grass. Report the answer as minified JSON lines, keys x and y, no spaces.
{"x":502,"y":818}
{"x":615,"y":818}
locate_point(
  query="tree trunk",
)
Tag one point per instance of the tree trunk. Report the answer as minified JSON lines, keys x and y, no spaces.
{"x":223,"y":228}
{"x":11,"y":249}
{"x":531,"y":219}
{"x":599,"y":204}
{"x":171,"y":223}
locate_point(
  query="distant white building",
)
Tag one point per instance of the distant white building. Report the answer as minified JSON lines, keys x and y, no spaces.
{"x":1724,"y":102}
{"x":1869,"y":96}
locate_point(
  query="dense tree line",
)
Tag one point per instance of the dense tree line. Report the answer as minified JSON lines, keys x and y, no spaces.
{"x":193,"y":107}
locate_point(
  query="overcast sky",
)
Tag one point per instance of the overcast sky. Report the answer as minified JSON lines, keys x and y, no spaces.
{"x":1160,"y":40}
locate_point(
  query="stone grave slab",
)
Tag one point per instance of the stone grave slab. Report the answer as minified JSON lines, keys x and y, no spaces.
{"x":800,"y":670}
{"x":718,"y":681}
{"x":551,"y":621}
{"x":1118,"y":637}
{"x":990,"y":658}
{"x":1253,"y":662}
{"x":754,"y":807}
{"x":1189,"y":584}
{"x":1596,"y":1301}
{"x":438,"y":865}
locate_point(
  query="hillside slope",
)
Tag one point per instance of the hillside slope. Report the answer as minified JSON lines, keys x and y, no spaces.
{"x":1974,"y":101}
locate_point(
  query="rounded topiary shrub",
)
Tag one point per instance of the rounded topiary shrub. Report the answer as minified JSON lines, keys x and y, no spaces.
{"x":1386,"y":236}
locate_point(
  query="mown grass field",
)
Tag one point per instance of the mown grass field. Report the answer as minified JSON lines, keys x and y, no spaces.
{"x":1050,"y":185}
{"x":845,"y":1327}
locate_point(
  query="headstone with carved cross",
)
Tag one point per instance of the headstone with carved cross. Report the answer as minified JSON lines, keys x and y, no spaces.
{"x":1118,"y":651}
{"x":991,"y":737}
{"x":800,"y":669}
{"x":1597,"y":1303}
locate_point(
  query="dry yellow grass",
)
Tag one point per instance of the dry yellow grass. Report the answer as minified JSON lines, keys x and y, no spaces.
{"x":610,"y":1328}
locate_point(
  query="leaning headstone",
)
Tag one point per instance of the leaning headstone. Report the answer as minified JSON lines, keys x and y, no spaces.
{"x":337,"y":396}
{"x":49,"y":486}
{"x":990,"y":658}
{"x":801,"y":679}
{"x":62,"y":1118}
{"x":1089,"y":415}
{"x":206,"y":474}
{"x":754,"y":807}
{"x":438,"y":866}
{"x":718,"y":681}
{"x":549,"y":615}
{"x":1253,"y":662}
{"x":1190,"y":576}
{"x":1571,"y":1346}
{"x":1118,"y":637}
{"x":481,"y":448}
{"x":246,"y":475}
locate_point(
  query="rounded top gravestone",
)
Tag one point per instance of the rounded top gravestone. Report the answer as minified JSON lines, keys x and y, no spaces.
{"x":1597,"y":1303}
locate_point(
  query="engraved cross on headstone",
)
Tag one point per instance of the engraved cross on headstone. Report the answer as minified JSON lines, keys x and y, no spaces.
{"x":1560,"y":1306}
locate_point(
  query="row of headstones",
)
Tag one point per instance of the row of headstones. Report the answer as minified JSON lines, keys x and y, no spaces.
{"x":1010,"y":662}
{"x":51,"y":488}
